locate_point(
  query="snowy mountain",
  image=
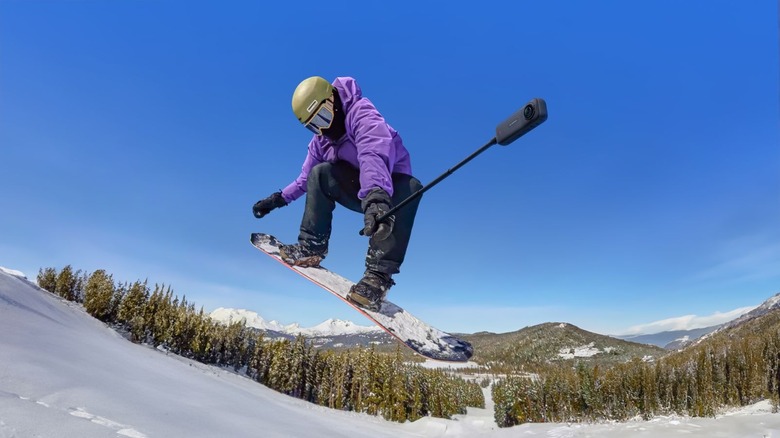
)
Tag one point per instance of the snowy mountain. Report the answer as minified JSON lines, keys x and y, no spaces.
{"x":331,"y":333}
{"x":337,"y":327}
{"x":330,"y":327}
{"x":251,"y":319}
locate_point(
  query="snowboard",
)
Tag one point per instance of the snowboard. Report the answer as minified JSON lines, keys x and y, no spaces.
{"x":423,"y":339}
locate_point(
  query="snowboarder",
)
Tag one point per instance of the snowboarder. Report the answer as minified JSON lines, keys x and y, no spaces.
{"x":358,"y":160}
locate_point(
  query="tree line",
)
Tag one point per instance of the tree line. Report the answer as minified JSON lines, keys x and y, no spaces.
{"x":362,"y":380}
{"x":731,"y":369}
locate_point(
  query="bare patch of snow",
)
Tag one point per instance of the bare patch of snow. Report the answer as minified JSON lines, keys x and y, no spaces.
{"x":581,"y":351}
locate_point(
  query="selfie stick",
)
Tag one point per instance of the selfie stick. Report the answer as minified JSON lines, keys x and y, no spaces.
{"x":531,"y":115}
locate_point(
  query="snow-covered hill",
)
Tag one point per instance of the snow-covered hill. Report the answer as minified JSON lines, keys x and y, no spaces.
{"x":65,"y":374}
{"x":330,"y":327}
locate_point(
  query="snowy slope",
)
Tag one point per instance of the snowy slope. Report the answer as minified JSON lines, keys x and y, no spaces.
{"x":65,"y":374}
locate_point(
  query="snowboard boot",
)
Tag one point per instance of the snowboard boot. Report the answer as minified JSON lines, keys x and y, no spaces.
{"x":371,"y":290}
{"x":300,"y":255}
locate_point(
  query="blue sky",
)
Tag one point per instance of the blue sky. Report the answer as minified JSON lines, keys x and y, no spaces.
{"x":136,"y":135}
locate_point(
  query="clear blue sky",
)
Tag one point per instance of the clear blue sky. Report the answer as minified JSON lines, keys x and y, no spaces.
{"x":136,"y":135}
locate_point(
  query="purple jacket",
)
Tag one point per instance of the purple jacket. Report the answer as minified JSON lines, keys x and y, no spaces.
{"x":370,"y":145}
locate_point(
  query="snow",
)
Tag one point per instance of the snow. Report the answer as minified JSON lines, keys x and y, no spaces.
{"x":65,"y":374}
{"x":581,"y":351}
{"x":12,"y":272}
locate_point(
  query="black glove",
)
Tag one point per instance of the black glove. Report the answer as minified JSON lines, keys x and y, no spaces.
{"x":375,"y":204}
{"x":262,"y":208}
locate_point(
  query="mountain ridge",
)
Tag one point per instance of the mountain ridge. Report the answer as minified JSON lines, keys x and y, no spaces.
{"x":329,"y":327}
{"x":671,"y":339}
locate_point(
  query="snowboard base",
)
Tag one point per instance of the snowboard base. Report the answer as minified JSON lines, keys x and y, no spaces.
{"x":423,"y":339}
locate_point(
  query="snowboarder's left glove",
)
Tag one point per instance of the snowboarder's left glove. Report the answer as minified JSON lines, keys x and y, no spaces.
{"x":375,"y":204}
{"x":262,"y":208}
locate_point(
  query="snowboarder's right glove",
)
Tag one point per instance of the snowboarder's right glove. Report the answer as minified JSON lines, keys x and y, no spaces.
{"x":262,"y":208}
{"x":375,"y":204}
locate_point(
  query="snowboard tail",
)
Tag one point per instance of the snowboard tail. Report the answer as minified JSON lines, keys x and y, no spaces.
{"x":409,"y":330}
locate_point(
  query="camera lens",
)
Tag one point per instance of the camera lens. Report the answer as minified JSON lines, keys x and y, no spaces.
{"x":529,"y":112}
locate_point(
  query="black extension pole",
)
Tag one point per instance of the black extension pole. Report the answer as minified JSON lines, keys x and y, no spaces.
{"x":437,"y":180}
{"x":518,"y":124}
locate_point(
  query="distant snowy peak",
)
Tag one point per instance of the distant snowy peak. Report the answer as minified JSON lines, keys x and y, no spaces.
{"x":330,"y":327}
{"x":251,"y":319}
{"x":333,"y":327}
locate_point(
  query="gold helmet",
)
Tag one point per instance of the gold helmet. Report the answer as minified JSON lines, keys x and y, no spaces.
{"x":312,"y":104}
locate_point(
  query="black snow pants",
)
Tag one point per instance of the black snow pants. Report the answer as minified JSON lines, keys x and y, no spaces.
{"x":339,"y":182}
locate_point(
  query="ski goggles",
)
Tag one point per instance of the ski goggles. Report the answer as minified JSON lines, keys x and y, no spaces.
{"x":322,"y":118}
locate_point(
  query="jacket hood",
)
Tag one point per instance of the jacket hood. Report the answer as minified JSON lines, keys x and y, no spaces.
{"x":349,"y":91}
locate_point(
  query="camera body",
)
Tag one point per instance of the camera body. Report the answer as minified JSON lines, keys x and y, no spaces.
{"x":531,"y":115}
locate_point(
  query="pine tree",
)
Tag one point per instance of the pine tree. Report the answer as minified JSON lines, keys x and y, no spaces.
{"x":278,"y":376}
{"x":131,"y":309}
{"x":201,"y":341}
{"x":47,"y":279}
{"x":299,"y":362}
{"x":183,"y":329}
{"x":98,"y":293}
{"x":119,"y":295}
{"x":158,"y":316}
{"x":325,"y":383}
{"x":395,"y":389}
{"x":81,"y":282}
{"x":67,"y":282}
{"x":259,"y":363}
